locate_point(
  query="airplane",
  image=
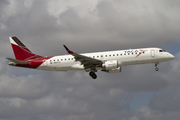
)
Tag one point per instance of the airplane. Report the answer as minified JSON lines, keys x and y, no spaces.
{"x":108,"y":61}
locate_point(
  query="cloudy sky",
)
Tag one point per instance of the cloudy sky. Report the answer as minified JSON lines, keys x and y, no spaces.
{"x":138,"y":93}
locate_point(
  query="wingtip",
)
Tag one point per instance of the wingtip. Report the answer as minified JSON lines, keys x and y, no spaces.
{"x":67,"y":49}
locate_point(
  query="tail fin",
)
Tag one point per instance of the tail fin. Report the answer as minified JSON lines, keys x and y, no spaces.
{"x":21,"y":52}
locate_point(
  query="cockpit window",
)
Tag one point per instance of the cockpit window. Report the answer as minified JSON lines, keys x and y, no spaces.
{"x":162,"y":51}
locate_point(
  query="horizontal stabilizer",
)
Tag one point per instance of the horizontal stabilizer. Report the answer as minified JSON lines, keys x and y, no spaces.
{"x":18,"y":61}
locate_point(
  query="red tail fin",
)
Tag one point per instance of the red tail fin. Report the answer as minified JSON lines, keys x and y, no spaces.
{"x":21,"y":52}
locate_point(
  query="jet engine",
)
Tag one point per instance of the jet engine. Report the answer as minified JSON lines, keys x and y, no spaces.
{"x":111,"y":64}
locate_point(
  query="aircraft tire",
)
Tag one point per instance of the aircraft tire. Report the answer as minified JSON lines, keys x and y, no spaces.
{"x":93,"y":75}
{"x":157,"y":69}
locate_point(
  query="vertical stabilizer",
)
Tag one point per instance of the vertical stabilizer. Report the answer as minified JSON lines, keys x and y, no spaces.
{"x":21,"y":52}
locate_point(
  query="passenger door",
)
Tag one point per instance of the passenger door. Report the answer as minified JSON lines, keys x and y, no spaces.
{"x":152,"y":53}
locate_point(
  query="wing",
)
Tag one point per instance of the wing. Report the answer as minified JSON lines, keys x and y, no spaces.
{"x":86,"y":61}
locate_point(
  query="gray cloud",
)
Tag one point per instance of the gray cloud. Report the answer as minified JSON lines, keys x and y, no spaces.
{"x":44,"y":26}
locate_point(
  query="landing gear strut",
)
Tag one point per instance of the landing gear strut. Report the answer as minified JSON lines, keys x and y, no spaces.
{"x":157,"y":69}
{"x":93,"y":74}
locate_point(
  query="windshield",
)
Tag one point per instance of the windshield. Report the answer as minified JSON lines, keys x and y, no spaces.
{"x":162,"y":51}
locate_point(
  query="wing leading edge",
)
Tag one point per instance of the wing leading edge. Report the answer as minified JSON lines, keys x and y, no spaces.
{"x":87,"y":62}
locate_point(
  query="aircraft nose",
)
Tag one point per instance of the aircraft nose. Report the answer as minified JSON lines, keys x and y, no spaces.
{"x":171,"y":56}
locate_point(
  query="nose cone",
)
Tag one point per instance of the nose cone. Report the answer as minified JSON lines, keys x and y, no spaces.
{"x":171,"y":56}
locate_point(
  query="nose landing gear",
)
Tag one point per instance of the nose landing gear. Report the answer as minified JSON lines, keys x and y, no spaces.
{"x":93,"y":74}
{"x":157,"y":69}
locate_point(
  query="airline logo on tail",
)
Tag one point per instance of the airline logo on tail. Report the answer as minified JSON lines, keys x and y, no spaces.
{"x":24,"y":57}
{"x":21,"y":52}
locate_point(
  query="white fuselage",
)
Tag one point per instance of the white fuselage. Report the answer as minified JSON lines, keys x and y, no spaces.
{"x":108,"y":61}
{"x":124,"y":58}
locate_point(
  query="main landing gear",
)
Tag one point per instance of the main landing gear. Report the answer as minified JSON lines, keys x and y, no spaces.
{"x":157,"y":69}
{"x":93,"y":74}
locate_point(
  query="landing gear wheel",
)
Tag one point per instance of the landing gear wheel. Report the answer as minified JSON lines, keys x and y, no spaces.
{"x":93,"y":75}
{"x":157,"y":69}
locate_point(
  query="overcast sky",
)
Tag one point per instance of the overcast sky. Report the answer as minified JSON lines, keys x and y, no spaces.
{"x":137,"y":93}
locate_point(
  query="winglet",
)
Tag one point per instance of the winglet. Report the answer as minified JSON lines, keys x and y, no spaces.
{"x":67,"y":49}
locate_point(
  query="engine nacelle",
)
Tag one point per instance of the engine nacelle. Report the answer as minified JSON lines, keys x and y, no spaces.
{"x":111,"y":64}
{"x":116,"y":70}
